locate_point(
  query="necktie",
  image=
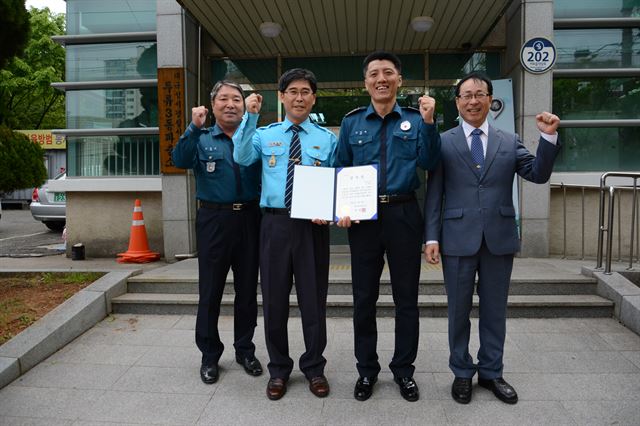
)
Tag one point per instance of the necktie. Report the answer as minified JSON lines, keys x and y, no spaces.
{"x":477,"y":153}
{"x":294,"y":158}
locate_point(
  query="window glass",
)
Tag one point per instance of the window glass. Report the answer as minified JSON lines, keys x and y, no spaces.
{"x":111,"y":61}
{"x":113,"y":16}
{"x":598,"y":48}
{"x":598,"y":149}
{"x":596,"y":98}
{"x":596,"y":8}
{"x":111,"y":108}
{"x":449,"y":66}
{"x":246,"y":71}
{"x":113,"y":156}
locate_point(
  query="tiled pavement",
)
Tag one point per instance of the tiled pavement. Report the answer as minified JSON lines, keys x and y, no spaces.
{"x":143,"y":369}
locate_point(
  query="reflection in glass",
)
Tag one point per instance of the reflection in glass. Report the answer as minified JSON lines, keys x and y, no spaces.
{"x":113,"y":156}
{"x":596,"y":98}
{"x":596,"y":8}
{"x":598,"y":48}
{"x":448,"y":66}
{"x":111,"y":61}
{"x":111,"y":108}
{"x":113,"y":16}
{"x":598,"y":149}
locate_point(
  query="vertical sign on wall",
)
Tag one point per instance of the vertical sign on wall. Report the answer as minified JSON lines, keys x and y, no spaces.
{"x":170,"y":115}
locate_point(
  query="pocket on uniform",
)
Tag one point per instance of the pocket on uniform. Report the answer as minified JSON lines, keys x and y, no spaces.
{"x":362,"y":148}
{"x":405,"y":144}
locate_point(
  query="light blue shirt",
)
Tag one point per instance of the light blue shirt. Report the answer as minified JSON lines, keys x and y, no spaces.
{"x":270,"y":145}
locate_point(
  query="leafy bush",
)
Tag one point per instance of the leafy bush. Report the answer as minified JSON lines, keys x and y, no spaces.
{"x":21,"y":162}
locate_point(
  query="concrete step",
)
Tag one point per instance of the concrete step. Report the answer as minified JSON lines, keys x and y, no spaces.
{"x":578,"y":285}
{"x":520,"y":306}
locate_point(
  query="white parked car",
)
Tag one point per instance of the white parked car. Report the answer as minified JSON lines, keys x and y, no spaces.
{"x":50,"y":207}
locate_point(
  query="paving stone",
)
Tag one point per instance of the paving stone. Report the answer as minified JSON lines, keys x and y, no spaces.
{"x":576,"y":387}
{"x":100,"y":354}
{"x":498,"y":413}
{"x":560,"y":342}
{"x":163,"y":380}
{"x":626,"y":341}
{"x":383,"y":412}
{"x":22,"y":401}
{"x":9,"y":370}
{"x":171,"y":357}
{"x":633,"y":356}
{"x":126,"y":321}
{"x":579,"y":362}
{"x":31,"y":421}
{"x":604,"y":412}
{"x":145,"y":408}
{"x":71,"y":376}
{"x":231,"y":410}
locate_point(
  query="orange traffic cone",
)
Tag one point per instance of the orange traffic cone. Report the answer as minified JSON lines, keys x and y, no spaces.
{"x":138,"y":251}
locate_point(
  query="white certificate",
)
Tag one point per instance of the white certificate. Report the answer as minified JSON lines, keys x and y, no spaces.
{"x":357,"y":193}
{"x":313,"y":192}
{"x":328,"y":193}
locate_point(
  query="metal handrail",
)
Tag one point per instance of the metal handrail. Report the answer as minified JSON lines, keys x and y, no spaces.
{"x":610,"y":215}
{"x":563,"y":186}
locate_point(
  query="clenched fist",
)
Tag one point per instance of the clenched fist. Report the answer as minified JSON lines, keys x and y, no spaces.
{"x":199,"y":116}
{"x":427,"y":108}
{"x":547,"y":123}
{"x":253,"y":103}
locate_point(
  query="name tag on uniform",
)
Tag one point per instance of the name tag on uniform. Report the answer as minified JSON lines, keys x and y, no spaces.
{"x":211,"y":166}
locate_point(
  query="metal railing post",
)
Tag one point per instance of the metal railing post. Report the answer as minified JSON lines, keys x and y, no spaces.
{"x":612,"y":196}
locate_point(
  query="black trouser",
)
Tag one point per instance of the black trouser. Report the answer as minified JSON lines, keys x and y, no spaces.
{"x":294,"y":248}
{"x":398,"y":233}
{"x":227,"y":238}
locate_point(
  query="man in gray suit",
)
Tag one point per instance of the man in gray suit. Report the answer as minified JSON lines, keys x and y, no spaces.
{"x":470,"y":218}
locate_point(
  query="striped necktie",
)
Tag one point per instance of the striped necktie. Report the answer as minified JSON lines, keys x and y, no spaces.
{"x":294,"y":158}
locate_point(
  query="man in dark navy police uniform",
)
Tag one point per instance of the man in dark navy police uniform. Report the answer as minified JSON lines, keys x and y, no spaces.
{"x":227,"y":227}
{"x":397,"y":140}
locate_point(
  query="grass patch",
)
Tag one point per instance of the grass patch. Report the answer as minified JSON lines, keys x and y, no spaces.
{"x":27,"y":297}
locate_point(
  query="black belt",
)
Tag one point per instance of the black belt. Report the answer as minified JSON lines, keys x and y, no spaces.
{"x":395,"y":198}
{"x":230,"y":206}
{"x":276,"y":211}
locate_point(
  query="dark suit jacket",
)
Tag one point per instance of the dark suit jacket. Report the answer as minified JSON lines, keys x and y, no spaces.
{"x":462,"y":205}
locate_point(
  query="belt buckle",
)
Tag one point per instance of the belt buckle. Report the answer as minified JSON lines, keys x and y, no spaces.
{"x":237,"y":206}
{"x":383,"y":199}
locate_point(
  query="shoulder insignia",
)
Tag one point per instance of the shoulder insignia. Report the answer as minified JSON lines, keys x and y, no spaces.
{"x":353,"y":111}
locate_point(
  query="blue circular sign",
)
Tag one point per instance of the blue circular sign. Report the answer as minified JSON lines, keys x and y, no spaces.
{"x":538,"y":55}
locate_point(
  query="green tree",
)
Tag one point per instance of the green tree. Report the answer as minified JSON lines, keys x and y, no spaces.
{"x":21,"y":164}
{"x":27,"y":100}
{"x":14,"y":29}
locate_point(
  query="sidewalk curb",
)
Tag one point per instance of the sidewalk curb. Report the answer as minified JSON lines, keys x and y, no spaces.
{"x":624,"y":294}
{"x":60,"y":326}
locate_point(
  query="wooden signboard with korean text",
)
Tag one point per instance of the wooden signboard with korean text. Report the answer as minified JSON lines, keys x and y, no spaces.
{"x":170,"y":115}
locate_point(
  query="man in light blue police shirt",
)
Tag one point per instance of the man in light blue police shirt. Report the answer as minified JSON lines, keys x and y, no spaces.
{"x":290,"y":247}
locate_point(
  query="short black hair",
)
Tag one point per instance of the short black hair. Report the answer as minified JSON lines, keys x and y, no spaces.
{"x":478,"y":76}
{"x":381,"y":55}
{"x":297,"y":74}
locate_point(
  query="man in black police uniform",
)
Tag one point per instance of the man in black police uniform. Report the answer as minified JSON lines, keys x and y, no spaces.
{"x":227,"y":227}
{"x":396,"y":140}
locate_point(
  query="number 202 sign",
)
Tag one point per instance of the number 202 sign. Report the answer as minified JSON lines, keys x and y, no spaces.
{"x":538,"y":55}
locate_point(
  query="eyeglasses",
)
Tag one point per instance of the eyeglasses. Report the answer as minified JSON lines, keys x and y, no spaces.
{"x":468,"y":96}
{"x":294,"y":93}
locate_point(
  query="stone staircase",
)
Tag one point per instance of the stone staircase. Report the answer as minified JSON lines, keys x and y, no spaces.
{"x":176,"y":292}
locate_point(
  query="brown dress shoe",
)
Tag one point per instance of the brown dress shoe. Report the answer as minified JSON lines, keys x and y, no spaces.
{"x":276,"y":388}
{"x":319,"y":386}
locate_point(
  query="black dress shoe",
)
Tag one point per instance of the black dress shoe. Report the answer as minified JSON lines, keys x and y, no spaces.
{"x":503,"y":390}
{"x":364,"y":388}
{"x":251,"y":365}
{"x":209,"y":373}
{"x":461,"y":390}
{"x":408,"y":388}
